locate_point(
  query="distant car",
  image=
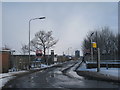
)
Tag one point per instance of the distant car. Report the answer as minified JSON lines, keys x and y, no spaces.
{"x":70,"y":58}
{"x":43,"y":65}
{"x":12,"y":69}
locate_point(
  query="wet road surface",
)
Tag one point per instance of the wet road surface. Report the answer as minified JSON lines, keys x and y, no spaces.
{"x":54,"y":78}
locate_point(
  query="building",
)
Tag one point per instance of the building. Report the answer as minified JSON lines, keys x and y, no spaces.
{"x":4,"y":61}
{"x":51,"y":58}
{"x":77,"y":53}
{"x":21,"y":62}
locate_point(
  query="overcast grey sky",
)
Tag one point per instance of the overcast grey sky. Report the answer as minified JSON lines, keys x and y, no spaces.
{"x":69,"y":21}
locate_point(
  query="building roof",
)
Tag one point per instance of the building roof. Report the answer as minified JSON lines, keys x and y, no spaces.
{"x":5,"y":50}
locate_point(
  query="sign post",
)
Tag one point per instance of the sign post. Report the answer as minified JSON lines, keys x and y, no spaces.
{"x":39,"y":55}
{"x":94,"y":45}
{"x":52,"y":56}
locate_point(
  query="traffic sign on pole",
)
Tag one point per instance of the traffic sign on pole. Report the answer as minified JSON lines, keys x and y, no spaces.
{"x":94,"y":45}
{"x":38,"y":53}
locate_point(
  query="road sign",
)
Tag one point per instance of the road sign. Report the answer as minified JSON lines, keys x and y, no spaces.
{"x":94,"y":45}
{"x":38,"y":53}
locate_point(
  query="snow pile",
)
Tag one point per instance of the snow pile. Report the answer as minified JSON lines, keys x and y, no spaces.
{"x":72,"y":73}
{"x":44,"y":65}
{"x":3,"y":75}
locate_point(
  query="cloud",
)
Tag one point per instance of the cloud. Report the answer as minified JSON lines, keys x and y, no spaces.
{"x":70,"y":22}
{"x":73,"y":32}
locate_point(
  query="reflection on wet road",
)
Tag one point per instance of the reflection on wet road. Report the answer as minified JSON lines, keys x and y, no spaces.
{"x":54,"y":78}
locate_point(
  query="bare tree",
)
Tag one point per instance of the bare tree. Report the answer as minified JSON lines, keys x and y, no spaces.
{"x":106,"y":41}
{"x":6,"y":47}
{"x":24,"y":49}
{"x":42,"y":40}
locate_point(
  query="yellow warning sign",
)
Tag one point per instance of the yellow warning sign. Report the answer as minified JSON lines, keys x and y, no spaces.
{"x":94,"y":44}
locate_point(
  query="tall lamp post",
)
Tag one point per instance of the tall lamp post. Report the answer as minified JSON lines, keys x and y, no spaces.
{"x":91,"y":47}
{"x":29,"y":35}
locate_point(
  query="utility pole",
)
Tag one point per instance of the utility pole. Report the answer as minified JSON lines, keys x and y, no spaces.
{"x":98,"y":55}
{"x":98,"y":60}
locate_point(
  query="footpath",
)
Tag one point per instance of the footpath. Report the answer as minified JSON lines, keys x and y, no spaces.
{"x":110,"y":74}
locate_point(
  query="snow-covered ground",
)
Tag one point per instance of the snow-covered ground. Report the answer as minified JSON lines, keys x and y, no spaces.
{"x":5,"y":77}
{"x":43,"y":66}
{"x":3,"y":81}
{"x":110,"y":71}
{"x":72,"y":73}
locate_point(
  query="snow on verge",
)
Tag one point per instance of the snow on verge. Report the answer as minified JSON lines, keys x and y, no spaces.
{"x":5,"y":77}
{"x":3,"y":81}
{"x":109,"y":72}
{"x":72,"y":73}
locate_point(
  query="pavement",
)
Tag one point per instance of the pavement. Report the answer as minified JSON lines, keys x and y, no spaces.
{"x":96,"y":75}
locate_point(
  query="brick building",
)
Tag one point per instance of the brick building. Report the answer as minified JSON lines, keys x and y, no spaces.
{"x":4,"y":60}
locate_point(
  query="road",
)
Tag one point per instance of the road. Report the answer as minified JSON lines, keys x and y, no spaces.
{"x":55,"y":78}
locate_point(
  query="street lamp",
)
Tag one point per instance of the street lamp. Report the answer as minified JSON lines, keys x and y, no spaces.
{"x":91,"y":47}
{"x":29,"y":35}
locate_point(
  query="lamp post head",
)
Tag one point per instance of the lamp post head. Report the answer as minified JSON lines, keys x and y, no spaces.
{"x":37,"y":18}
{"x":92,"y":34}
{"x":41,"y":18}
